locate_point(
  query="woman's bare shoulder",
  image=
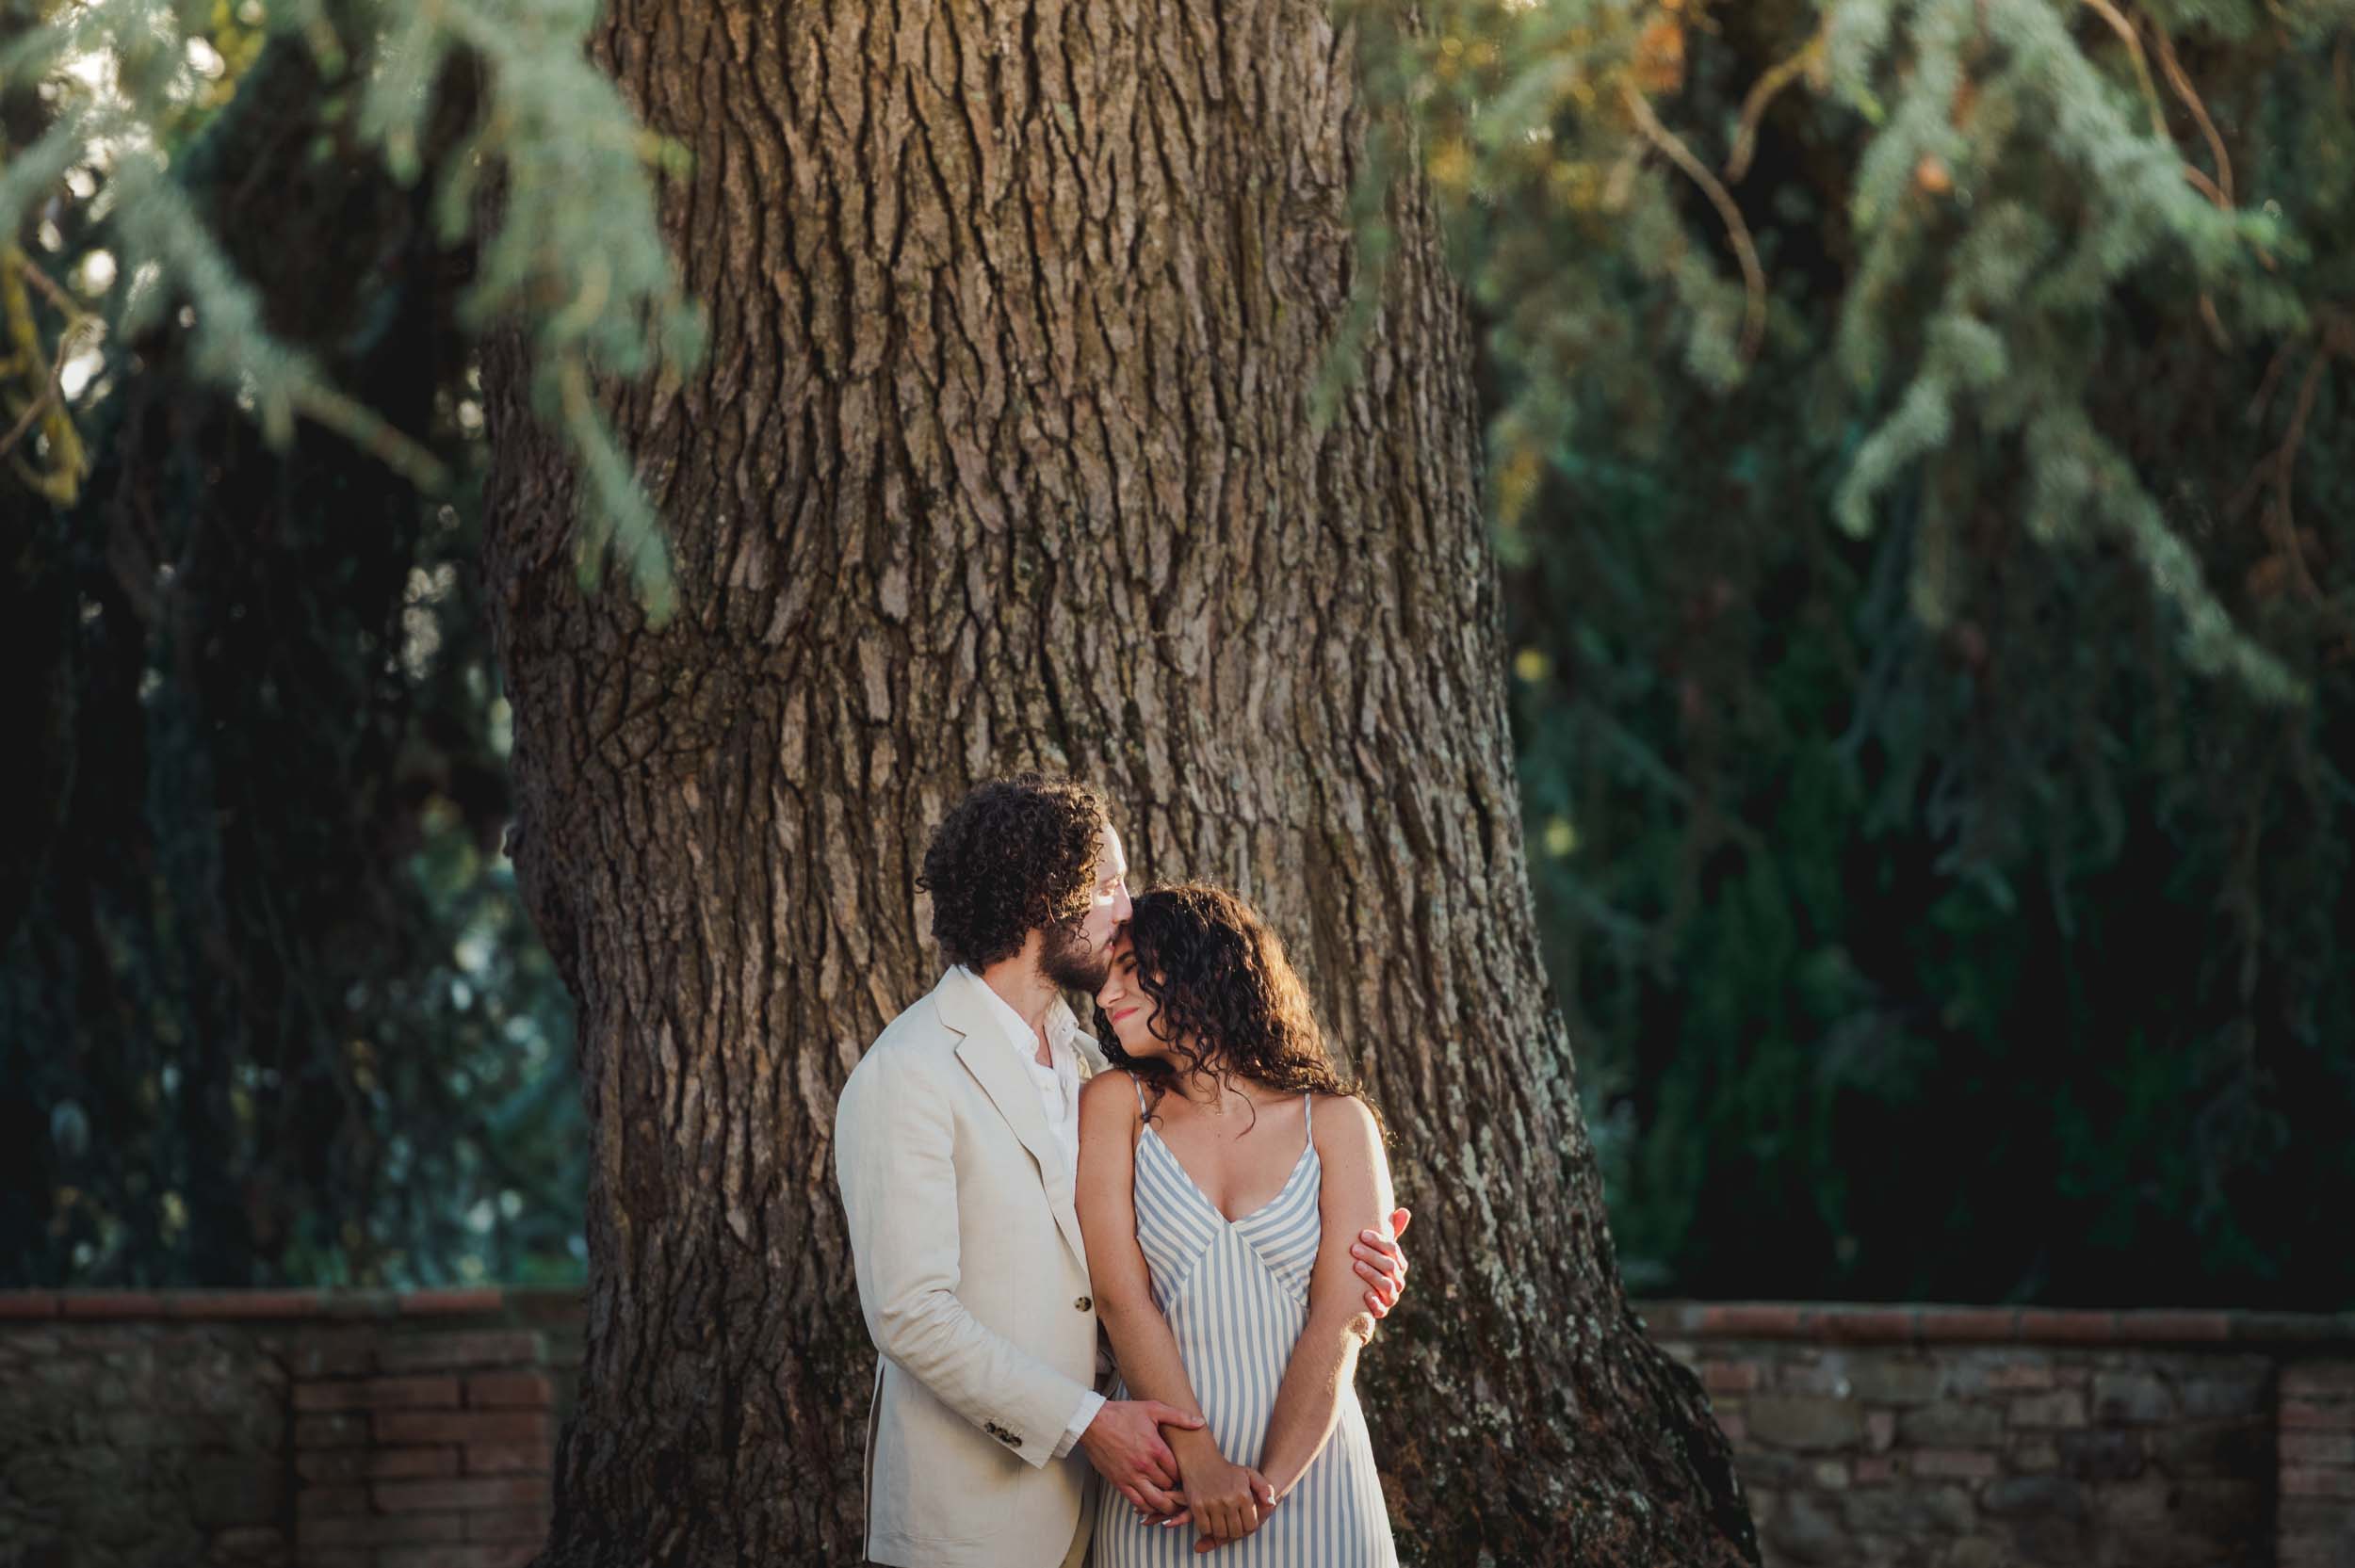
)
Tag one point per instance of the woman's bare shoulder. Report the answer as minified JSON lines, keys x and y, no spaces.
{"x":1345,"y":1120}
{"x":1111,"y":1086}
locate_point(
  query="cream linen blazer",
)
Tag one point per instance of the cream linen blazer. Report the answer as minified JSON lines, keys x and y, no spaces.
{"x":974,"y":1284}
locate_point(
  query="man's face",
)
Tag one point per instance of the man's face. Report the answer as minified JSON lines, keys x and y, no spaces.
{"x":1077,"y":957}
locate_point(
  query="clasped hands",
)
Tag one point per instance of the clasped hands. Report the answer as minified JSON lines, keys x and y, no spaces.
{"x":1186,"y":1478}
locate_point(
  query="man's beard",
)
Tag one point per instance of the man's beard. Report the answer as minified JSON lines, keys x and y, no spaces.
{"x":1069,"y":962}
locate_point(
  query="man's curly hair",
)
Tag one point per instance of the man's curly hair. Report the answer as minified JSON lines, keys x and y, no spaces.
{"x":1225,"y":998}
{"x":1015,"y":855}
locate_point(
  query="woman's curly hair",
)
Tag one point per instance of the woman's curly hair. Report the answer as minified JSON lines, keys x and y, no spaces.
{"x":1225,"y":998}
{"x":1015,"y":855}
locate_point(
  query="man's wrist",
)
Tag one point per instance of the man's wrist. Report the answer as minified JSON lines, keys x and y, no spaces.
{"x":1090,"y":1405}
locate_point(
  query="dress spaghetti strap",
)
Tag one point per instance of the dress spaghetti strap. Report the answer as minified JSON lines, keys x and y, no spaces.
{"x":1308,"y":1114}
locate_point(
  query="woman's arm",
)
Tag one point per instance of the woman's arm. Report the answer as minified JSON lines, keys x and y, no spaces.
{"x":1118,"y":1278}
{"x":1354,"y":1195}
{"x":1122,"y":1284}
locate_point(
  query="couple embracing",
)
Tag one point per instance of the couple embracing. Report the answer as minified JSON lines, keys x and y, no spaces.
{"x":1118,"y":1282}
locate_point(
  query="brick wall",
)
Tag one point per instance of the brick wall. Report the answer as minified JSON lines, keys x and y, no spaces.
{"x":370,"y":1429}
{"x":280,"y":1428}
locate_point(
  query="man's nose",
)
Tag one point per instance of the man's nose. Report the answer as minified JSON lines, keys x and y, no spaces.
{"x":1123,"y":908}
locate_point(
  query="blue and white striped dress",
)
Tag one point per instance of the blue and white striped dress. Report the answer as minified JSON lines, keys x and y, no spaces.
{"x":1236,"y":1295}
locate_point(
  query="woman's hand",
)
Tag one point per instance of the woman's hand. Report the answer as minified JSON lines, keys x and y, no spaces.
{"x":1228,"y":1501}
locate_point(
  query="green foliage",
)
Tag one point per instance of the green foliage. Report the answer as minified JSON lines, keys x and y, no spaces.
{"x":575,"y":261}
{"x":1922,"y":467}
{"x":269,"y":1002}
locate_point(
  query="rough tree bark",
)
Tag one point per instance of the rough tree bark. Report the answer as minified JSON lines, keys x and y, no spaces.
{"x":1003,"y":457}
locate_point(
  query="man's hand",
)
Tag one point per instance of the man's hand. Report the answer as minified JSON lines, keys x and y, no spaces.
{"x":1124,"y":1443}
{"x":1383,"y":1264}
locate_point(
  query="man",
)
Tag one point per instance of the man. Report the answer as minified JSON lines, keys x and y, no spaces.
{"x":956,"y":1146}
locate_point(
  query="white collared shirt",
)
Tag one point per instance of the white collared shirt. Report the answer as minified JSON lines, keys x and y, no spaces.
{"x":1057,"y":1080}
{"x":1058,"y":1085}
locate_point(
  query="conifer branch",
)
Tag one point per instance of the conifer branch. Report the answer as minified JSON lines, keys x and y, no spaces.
{"x":2125,"y":30}
{"x":2181,"y":83}
{"x":1764,"y":92}
{"x":1738,"y":232}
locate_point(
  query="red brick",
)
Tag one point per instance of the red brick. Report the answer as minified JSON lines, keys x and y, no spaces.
{"x":2163,"y":1327}
{"x":109,"y":1303}
{"x":1872,"y":1469}
{"x":2068,"y":1326}
{"x":1960,"y":1325}
{"x":2303,"y":1483}
{"x":16,"y":1304}
{"x":498,"y":1459}
{"x":514,"y":1554}
{"x":1760,"y":1319}
{"x":1730,"y":1377}
{"x":2324,"y":1377}
{"x":2309,"y":1417}
{"x":1968,"y":1464}
{"x":461,"y":1426}
{"x":409,"y":1463}
{"x":508,"y":1523}
{"x":321,"y":1502}
{"x":412,"y":1393}
{"x":214,"y":1305}
{"x":2021,"y":1376}
{"x":484,"y":1492}
{"x":431,"y":1353}
{"x":2318,"y":1448}
{"x":1866,"y":1325}
{"x":445,"y":1304}
{"x":509,"y":1391}
{"x":378,"y":1529}
{"x":1735,"y":1425}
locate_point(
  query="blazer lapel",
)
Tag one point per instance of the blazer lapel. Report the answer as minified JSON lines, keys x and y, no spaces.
{"x":989,"y":1056}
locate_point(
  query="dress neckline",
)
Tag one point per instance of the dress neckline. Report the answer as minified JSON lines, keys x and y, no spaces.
{"x":1307,"y":1147}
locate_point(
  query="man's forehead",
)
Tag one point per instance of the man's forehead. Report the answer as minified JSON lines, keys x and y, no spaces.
{"x":1117,"y":858}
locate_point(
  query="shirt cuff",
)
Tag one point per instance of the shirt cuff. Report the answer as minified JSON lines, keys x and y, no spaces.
{"x":1089,"y":1405}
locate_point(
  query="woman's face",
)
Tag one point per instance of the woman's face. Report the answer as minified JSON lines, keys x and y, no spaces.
{"x":1124,"y":1004}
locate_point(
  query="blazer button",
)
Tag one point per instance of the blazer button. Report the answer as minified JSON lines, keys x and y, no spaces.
{"x":1085,"y":1303}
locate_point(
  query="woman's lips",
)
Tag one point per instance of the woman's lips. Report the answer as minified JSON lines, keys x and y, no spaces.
{"x":1122,"y":1014}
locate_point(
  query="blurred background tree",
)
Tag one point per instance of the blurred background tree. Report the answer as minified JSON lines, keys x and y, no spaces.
{"x":1920,"y":442}
{"x":270,"y":1009}
{"x":1921,"y":463}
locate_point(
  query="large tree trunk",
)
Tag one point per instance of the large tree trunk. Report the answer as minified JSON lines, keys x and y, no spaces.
{"x":1003,"y":457}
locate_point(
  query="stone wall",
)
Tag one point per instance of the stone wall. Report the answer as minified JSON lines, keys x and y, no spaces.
{"x":1965,"y":1437}
{"x":369,"y":1430}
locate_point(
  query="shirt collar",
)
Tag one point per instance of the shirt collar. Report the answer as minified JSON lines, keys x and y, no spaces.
{"x":1061,"y":1025}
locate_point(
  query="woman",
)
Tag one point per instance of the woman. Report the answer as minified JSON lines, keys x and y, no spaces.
{"x":1224,"y":1173}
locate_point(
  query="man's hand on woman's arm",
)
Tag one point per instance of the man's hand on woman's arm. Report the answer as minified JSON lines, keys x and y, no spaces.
{"x":1124,"y":1443}
{"x":1381,"y":1265}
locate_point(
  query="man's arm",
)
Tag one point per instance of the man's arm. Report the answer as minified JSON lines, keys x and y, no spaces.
{"x":893,"y":1142}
